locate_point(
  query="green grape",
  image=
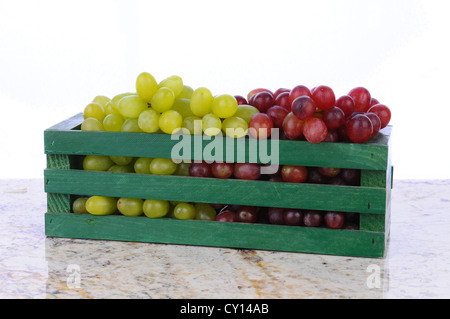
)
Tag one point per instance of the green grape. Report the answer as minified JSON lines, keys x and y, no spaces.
{"x":170,"y":122}
{"x":142,"y":165}
{"x":204,"y":212}
{"x":131,"y":207}
{"x":235,"y":127}
{"x":79,"y":205}
{"x":121,"y":168}
{"x":148,"y":121}
{"x":110,"y":108}
{"x":146,"y":86}
{"x":246,"y":112}
{"x":92,"y":124}
{"x":163,"y":99}
{"x":101,"y":205}
{"x":184,"y":211}
{"x":97,"y":163}
{"x":131,"y":126}
{"x":162,"y":166}
{"x":186,"y":93}
{"x":182,"y":169}
{"x":224,"y":105}
{"x":116,"y":99}
{"x":155,"y":208}
{"x":174,"y":82}
{"x":201,"y":101}
{"x":122,"y":160}
{"x":183,"y":107}
{"x":190,"y":124}
{"x":102,"y":100}
{"x":211,"y":124}
{"x":131,"y":106}
{"x":94,"y":110}
{"x":113,"y":122}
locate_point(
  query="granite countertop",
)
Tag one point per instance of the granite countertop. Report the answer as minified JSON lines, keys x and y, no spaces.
{"x":417,"y":264}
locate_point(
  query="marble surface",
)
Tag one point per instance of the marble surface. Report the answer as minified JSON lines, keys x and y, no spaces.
{"x":33,"y":266}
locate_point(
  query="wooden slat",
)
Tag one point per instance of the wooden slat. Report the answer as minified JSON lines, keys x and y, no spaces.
{"x":234,"y":235}
{"x":68,"y":124}
{"x":212,"y":190}
{"x":370,"y":156}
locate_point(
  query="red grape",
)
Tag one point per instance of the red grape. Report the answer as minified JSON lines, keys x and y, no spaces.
{"x":361,"y":97}
{"x":277,"y":114}
{"x":303,"y":107}
{"x":260,"y":126}
{"x":332,"y":137}
{"x":337,"y":180}
{"x":294,"y":174}
{"x":293,"y":217}
{"x":248,"y":171}
{"x":276,"y":215}
{"x":342,"y":132}
{"x":356,"y":113}
{"x":313,"y":218}
{"x":246,"y":214}
{"x":315,"y":130}
{"x":376,"y":123}
{"x":351,"y":176}
{"x":255,"y":91}
{"x":227,"y":216}
{"x":373,"y":101}
{"x":314,"y":176}
{"x":346,"y":104}
{"x":324,"y":97}
{"x":334,"y":220}
{"x":202,"y":169}
{"x":299,"y":90}
{"x":293,"y":127}
{"x":334,"y":118}
{"x":241,"y":100}
{"x":279,"y":91}
{"x":383,"y":112}
{"x":222,"y":170}
{"x":262,"y":101}
{"x":329,"y":171}
{"x":283,"y":100}
{"x":359,"y":129}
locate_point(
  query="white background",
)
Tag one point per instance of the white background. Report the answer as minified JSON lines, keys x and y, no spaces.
{"x":56,"y":56}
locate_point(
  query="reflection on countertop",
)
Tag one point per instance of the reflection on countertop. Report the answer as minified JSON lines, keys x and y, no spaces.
{"x":33,"y":266}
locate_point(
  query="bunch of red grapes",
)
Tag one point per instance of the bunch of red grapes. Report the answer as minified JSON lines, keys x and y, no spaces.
{"x":285,"y":216}
{"x":316,"y":115}
{"x":287,"y":174}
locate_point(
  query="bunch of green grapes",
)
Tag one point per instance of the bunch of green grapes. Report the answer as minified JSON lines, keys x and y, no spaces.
{"x":151,"y":208}
{"x":168,"y":106}
{"x":139,"y":165}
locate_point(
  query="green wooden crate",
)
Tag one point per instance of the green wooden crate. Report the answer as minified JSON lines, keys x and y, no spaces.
{"x":65,"y":143}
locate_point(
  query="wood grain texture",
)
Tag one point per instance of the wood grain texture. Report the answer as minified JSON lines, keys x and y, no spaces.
{"x":233,"y":235}
{"x":58,"y":203}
